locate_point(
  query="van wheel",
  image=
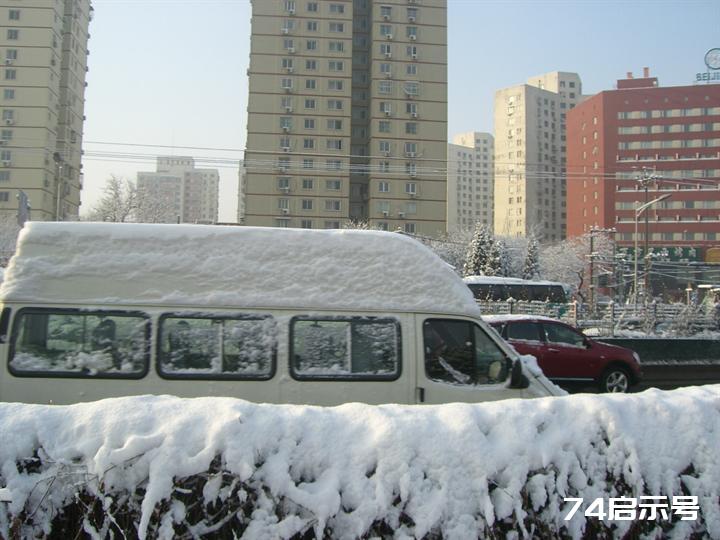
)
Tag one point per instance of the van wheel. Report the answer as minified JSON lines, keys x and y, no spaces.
{"x":615,"y":380}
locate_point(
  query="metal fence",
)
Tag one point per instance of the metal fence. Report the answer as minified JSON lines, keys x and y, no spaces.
{"x":607,"y":319}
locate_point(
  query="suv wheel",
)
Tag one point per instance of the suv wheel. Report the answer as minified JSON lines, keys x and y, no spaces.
{"x":615,"y":380}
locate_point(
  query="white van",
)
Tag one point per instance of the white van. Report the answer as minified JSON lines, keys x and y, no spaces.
{"x":96,"y":310}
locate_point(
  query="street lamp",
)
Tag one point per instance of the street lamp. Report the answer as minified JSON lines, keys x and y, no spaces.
{"x":638,"y":212}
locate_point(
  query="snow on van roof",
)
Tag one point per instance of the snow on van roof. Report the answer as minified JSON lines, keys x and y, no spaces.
{"x":210,"y":265}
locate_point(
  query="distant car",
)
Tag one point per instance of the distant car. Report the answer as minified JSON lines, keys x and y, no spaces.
{"x":566,"y":355}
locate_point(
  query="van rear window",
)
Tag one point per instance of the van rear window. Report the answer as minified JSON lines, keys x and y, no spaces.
{"x":75,"y":343}
{"x":364,"y":348}
{"x":202,"y":346}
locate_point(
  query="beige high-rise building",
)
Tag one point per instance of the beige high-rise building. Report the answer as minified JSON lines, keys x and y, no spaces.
{"x":530,"y":150}
{"x":470,"y":165}
{"x":178,"y":192}
{"x":347,"y":115}
{"x":43,"y":50}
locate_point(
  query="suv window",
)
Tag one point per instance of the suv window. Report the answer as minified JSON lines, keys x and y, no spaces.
{"x":557,"y":333}
{"x":529,"y":331}
{"x":460,"y":352}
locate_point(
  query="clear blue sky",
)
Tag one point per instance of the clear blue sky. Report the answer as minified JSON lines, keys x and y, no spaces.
{"x":173,"y":72}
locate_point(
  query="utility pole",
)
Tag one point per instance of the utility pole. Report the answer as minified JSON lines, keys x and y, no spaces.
{"x":644,"y":179}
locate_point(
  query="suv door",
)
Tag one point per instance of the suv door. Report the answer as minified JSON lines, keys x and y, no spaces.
{"x":567,"y":355}
{"x":462,"y":363}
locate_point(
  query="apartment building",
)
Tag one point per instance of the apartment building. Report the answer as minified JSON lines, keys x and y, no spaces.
{"x":347,"y":115}
{"x":177,"y":192}
{"x":637,"y":143}
{"x":530,"y":154}
{"x":44,"y":55}
{"x":470,"y":180}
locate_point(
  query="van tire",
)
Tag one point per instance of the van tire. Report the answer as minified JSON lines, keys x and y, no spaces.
{"x":615,"y":380}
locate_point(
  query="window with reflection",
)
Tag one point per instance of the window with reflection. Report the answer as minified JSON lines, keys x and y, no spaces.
{"x":460,"y":352}
{"x":75,"y":343}
{"x":345,"y":348}
{"x":217,"y":346}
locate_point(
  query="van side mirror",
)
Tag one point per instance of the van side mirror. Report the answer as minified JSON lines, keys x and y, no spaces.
{"x":518,"y":379}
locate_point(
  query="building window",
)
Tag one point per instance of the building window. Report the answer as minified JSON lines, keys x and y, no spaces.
{"x":333,"y":165}
{"x":332,"y":205}
{"x":334,"y":144}
{"x":335,"y":104}
{"x":332,"y":224}
{"x":309,"y":123}
{"x":385,"y":68}
{"x":411,"y":128}
{"x":4,"y":176}
{"x":411,"y":188}
{"x":13,"y":33}
{"x":6,"y":135}
{"x":384,"y":126}
{"x":410,"y":228}
{"x":309,"y":103}
{"x":383,"y":186}
{"x":385,"y":12}
{"x":10,"y":74}
{"x":335,"y":65}
{"x":386,"y":30}
{"x":333,"y":185}
{"x":385,"y":87}
{"x":310,"y":84}
{"x":336,"y":46}
{"x":412,"y":32}
{"x":334,"y":124}
{"x":335,"y":84}
{"x":312,"y":7}
{"x":312,"y":26}
{"x":311,"y":45}
{"x":336,"y":27}
{"x":411,"y":69}
{"x":308,"y":144}
{"x":412,"y":88}
{"x":384,"y":147}
{"x":307,"y":183}
{"x":311,"y":65}
{"x":307,"y":204}
{"x":308,"y":163}
{"x":283,"y":204}
{"x":386,"y":49}
{"x":285,"y":123}
{"x":337,"y":8}
{"x":14,"y":15}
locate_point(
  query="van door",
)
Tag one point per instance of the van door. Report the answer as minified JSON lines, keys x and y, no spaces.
{"x":459,"y":362}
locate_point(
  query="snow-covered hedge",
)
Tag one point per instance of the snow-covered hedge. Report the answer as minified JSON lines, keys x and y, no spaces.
{"x":164,"y":467}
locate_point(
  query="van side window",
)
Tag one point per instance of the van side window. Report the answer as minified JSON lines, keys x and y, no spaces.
{"x":460,"y":352}
{"x":335,"y":348}
{"x":74,"y":343}
{"x":217,"y":347}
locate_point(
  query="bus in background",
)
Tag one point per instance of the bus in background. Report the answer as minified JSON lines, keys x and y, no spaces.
{"x":500,"y":289}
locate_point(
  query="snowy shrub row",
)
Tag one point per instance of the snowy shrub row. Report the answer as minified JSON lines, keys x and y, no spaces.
{"x":164,"y":467}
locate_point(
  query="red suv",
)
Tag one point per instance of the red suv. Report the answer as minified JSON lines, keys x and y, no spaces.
{"x":566,"y":355}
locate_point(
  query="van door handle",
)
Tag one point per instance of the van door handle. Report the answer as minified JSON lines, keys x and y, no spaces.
{"x":420,"y":394}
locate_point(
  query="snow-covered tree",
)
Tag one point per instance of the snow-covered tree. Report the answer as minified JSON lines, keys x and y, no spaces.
{"x":531,"y":268}
{"x":493,"y":263}
{"x":118,"y":203}
{"x":9,"y":230}
{"x":477,"y":254}
{"x":505,"y":266}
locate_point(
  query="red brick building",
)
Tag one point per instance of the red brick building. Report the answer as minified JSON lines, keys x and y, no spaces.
{"x":644,"y":130}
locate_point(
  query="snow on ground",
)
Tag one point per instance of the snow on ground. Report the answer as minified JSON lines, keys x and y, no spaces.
{"x":455,"y":469}
{"x":205,"y":265}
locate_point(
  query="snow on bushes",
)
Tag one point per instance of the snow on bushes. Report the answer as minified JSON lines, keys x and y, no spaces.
{"x":165,"y":467}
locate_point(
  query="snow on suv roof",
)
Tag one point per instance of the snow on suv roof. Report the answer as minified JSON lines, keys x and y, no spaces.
{"x":490,"y":319}
{"x":210,"y":265}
